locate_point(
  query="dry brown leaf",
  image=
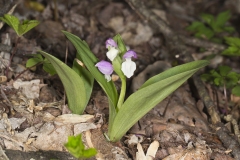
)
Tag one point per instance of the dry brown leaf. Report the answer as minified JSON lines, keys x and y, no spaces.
{"x":73,"y":118}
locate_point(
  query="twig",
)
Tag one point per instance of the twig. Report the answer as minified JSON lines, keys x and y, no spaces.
{"x":225,"y":97}
{"x":228,"y":141}
{"x":196,"y":42}
{"x":55,"y":11}
{"x":12,"y":55}
{"x":8,"y":102}
{"x":3,"y":156}
{"x":206,"y":99}
{"x":26,"y":70}
{"x":234,"y":122}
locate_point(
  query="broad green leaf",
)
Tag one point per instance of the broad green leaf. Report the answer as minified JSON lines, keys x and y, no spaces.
{"x":232,"y":41}
{"x":89,"y":153}
{"x":215,"y":74}
{"x":216,"y":28}
{"x":229,"y":29}
{"x":87,"y":78}
{"x":236,"y":90}
{"x":232,"y":79}
{"x":149,"y":95}
{"x":26,"y":26}
{"x":204,"y":32}
{"x":73,"y":84}
{"x":175,"y":71}
{"x":222,"y":18}
{"x":194,"y":26}
{"x":219,"y":81}
{"x":48,"y":67}
{"x":32,"y":61}
{"x":224,"y":70}
{"x":208,"y":18}
{"x":12,"y":21}
{"x":88,"y":58}
{"x":37,"y":58}
{"x":231,"y":51}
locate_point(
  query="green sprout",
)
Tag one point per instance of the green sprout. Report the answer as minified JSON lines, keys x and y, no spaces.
{"x":211,"y":26}
{"x":19,"y":28}
{"x":225,"y":77}
{"x":76,"y":147}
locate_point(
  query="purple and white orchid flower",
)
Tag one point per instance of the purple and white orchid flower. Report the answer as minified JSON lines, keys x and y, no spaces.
{"x":112,"y":46}
{"x":106,"y":68}
{"x":128,"y":66}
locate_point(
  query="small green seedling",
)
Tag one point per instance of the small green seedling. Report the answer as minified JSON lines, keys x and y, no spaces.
{"x":211,"y":26}
{"x":224,"y":76}
{"x":233,"y":48}
{"x":19,"y":28}
{"x":38,"y":59}
{"x":76,"y":147}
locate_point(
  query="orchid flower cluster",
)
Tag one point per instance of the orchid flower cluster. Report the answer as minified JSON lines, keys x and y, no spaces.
{"x":128,"y":66}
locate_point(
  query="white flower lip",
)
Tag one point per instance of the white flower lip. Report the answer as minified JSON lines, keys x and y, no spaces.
{"x":128,"y":67}
{"x":112,"y":53}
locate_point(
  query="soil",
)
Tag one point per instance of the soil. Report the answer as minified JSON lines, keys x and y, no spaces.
{"x":191,"y":123}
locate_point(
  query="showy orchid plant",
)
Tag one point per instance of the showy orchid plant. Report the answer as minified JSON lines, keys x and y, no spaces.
{"x":123,"y":113}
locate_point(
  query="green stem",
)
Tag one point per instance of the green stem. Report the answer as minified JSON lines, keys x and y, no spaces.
{"x":122,"y":93}
{"x":117,"y":68}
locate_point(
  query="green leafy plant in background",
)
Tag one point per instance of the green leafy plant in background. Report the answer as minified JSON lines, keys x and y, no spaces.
{"x":225,"y":77}
{"x":123,"y":113}
{"x":38,"y":59}
{"x":211,"y":26}
{"x":76,"y":147}
{"x":19,"y":27}
{"x":233,"y":46}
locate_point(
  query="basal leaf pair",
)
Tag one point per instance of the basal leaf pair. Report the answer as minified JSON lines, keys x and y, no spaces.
{"x":38,"y":59}
{"x":123,"y":113}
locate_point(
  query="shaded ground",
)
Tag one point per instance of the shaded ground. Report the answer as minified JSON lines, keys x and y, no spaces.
{"x":186,"y":124}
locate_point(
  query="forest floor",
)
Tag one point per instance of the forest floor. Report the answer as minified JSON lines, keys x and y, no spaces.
{"x":191,"y":123}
